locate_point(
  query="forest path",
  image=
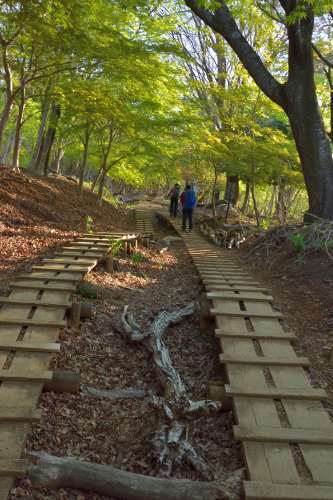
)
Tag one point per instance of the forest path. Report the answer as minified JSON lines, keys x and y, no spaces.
{"x":285,"y":430}
{"x":31,"y":317}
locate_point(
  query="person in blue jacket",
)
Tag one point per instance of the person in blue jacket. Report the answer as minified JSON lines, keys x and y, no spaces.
{"x":189,"y":201}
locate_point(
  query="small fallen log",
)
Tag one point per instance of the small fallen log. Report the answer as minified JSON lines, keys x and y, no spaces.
{"x":64,"y":381}
{"x":114,"y":394}
{"x":55,"y":472}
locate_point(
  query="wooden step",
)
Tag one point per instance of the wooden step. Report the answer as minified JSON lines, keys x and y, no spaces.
{"x":247,"y":314}
{"x":80,"y":254}
{"x":81,"y":260}
{"x":31,"y":302}
{"x":12,"y":467}
{"x":51,"y":279}
{"x":264,"y":360}
{"x":35,"y":286}
{"x":19,"y":414}
{"x":275,"y":393}
{"x":29,"y":346}
{"x":240,"y":288}
{"x":278,"y":491}
{"x":240,"y":296}
{"x":31,"y":322}
{"x":26,"y":375}
{"x":60,"y":269}
{"x":256,"y":335}
{"x":283,"y":435}
{"x":224,"y":281}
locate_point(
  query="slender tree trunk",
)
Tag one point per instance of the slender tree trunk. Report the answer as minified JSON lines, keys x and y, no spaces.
{"x":57,"y":160}
{"x":19,"y":123}
{"x":255,"y":206}
{"x":101,"y":186}
{"x":246,"y":201}
{"x":9,"y":100}
{"x":49,"y":138}
{"x":8,"y":148}
{"x":35,"y":157}
{"x":84,"y":158}
{"x":213,"y":194}
{"x":95,"y":181}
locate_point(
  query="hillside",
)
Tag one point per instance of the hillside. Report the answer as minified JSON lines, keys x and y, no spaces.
{"x":38,"y":213}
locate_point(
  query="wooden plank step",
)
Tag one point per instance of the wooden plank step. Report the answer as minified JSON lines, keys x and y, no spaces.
{"x":277,"y":491}
{"x":275,"y":393}
{"x":19,"y":413}
{"x":241,"y":288}
{"x":31,"y":302}
{"x":26,"y":375}
{"x":264,"y":360}
{"x":13,"y":467}
{"x":82,"y":269}
{"x":25,"y":345}
{"x":32,"y":322}
{"x":239,"y":296}
{"x":256,"y":335}
{"x":35,"y":286}
{"x":81,"y":260}
{"x":39,"y":277}
{"x":283,"y":435}
{"x":229,"y":281}
{"x":79,"y":254}
{"x":246,"y":314}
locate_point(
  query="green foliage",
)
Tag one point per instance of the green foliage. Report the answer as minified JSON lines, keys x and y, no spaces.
{"x":298,"y":241}
{"x":138,"y":257}
{"x":89,"y":224}
{"x":116,"y":247}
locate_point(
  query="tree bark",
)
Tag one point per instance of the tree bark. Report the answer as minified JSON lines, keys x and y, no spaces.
{"x":255,"y":206}
{"x":101,"y":186}
{"x":84,"y":157}
{"x":35,"y":157}
{"x":19,"y":123}
{"x":49,"y":137}
{"x":232,"y":189}
{"x":9,"y":100}
{"x":8,"y":148}
{"x":55,"y":472}
{"x":246,"y":201}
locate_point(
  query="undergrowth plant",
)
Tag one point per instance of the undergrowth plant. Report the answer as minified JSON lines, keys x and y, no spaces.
{"x":138,"y":257}
{"x":298,"y":241}
{"x":116,"y":247}
{"x":89,"y":224}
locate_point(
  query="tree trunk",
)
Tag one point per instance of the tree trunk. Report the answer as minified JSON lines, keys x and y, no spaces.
{"x":281,"y":209}
{"x":306,"y":121}
{"x":49,"y":138}
{"x":84,"y":158}
{"x":101,"y":186}
{"x":35,"y":157}
{"x":255,"y":206}
{"x":214,"y":194}
{"x":19,"y":123}
{"x":5,"y":114}
{"x":8,"y":148}
{"x":56,"y":472}
{"x":246,"y":201}
{"x":232,"y":189}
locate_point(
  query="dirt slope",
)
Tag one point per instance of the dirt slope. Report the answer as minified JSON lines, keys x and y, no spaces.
{"x":37,"y":214}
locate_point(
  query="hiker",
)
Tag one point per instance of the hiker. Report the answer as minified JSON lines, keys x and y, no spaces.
{"x":174,"y":197}
{"x":188,"y":201}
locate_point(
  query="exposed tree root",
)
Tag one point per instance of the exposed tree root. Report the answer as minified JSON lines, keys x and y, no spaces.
{"x":171,"y":445}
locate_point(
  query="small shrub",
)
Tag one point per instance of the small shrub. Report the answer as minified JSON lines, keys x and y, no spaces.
{"x":138,"y":257}
{"x":298,"y":241}
{"x":89,"y":224}
{"x":116,"y":247}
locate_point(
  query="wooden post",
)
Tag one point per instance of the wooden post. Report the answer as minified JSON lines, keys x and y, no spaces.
{"x":128,"y":248}
{"x":217,"y":393}
{"x":87,"y":310}
{"x":109,"y":267}
{"x":75,"y":314}
{"x":64,"y":381}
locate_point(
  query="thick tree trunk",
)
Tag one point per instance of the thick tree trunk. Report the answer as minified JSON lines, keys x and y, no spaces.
{"x":35,"y":157}
{"x":19,"y":123}
{"x":55,"y":472}
{"x":9,"y":100}
{"x":306,"y":121}
{"x":8,"y":148}
{"x":232,"y":189}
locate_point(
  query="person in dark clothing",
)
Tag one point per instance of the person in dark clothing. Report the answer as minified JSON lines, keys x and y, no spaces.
{"x":188,"y":202}
{"x":174,"y":197}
